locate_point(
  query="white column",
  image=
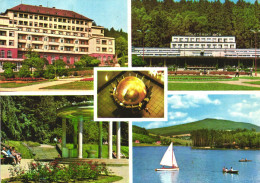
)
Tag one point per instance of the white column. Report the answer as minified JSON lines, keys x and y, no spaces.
{"x":80,"y":137}
{"x":118,"y":140}
{"x":110,"y":139}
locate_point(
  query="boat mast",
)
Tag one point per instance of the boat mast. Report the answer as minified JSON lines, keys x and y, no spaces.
{"x":172,"y":156}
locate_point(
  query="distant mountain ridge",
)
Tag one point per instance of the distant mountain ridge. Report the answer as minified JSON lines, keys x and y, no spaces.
{"x":208,"y":123}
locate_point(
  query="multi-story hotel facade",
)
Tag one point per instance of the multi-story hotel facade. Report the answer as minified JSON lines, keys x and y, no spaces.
{"x":53,"y":33}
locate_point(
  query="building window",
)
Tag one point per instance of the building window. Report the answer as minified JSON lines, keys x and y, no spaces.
{"x":29,"y":37}
{"x":11,"y":43}
{"x":68,"y":59}
{"x":98,"y":41}
{"x":35,"y":16}
{"x":82,"y":49}
{"x":104,"y":58}
{"x":46,"y":47}
{"x":53,"y":48}
{"x":11,"y":34}
{"x":55,"y":19}
{"x":62,"y":40}
{"x":98,"y":49}
{"x":104,"y":42}
{"x":108,"y":58}
{"x":104,"y":49}
{"x":45,"y":31}
{"x":110,"y":42}
{"x":77,"y":42}
{"x":76,"y":49}
{"x":110,"y":50}
{"x":2,"y":54}
{"x":31,"y":17}
{"x":15,"y":14}
{"x":61,"y":48}
{"x":19,"y":45}
{"x":28,"y":30}
{"x":61,"y":57}
{"x":28,"y":45}
{"x":15,"y":22}
{"x":36,"y":47}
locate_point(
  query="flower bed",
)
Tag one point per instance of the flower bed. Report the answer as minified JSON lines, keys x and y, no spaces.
{"x":199,"y":78}
{"x":55,"y":172}
{"x":22,"y":79}
{"x":87,"y":79}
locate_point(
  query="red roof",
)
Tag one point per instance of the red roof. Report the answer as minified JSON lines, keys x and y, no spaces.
{"x":48,"y":11}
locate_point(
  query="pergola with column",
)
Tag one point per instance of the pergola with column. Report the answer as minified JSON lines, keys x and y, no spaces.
{"x":77,"y":115}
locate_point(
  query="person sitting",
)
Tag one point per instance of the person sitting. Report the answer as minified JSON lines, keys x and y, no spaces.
{"x":7,"y":154}
{"x":113,"y":154}
{"x":231,"y":169}
{"x":16,"y":155}
{"x":224,"y":169}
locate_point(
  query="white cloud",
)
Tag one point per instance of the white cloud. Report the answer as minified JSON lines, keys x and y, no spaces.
{"x":247,"y":110}
{"x":187,"y":101}
{"x":156,"y":124}
{"x":174,"y":115}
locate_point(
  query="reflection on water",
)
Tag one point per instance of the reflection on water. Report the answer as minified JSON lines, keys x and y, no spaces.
{"x":167,"y":176}
{"x":196,"y":166}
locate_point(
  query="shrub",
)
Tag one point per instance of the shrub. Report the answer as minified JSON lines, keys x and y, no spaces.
{"x":24,"y":71}
{"x":9,"y":73}
{"x":49,"y":72}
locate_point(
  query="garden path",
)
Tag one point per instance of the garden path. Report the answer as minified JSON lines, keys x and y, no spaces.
{"x":122,"y":171}
{"x":5,"y":171}
{"x":38,"y":87}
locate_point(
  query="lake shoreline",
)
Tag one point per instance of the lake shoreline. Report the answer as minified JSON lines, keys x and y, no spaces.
{"x":192,"y":147}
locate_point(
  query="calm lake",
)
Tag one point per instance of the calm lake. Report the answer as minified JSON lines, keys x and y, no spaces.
{"x":195,"y":165}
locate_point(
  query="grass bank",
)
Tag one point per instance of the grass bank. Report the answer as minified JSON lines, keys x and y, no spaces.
{"x":77,"y":85}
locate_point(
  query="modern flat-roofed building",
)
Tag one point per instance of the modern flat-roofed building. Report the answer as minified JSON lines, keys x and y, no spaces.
{"x":203,"y":42}
{"x":200,"y":51}
{"x":53,"y":33}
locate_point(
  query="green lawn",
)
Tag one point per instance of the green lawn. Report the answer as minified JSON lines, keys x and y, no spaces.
{"x":248,"y":77}
{"x":254,"y":82}
{"x":16,"y":85}
{"x":207,"y":86}
{"x":77,"y":85}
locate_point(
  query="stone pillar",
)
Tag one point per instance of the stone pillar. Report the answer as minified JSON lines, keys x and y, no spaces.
{"x":150,"y":62}
{"x":110,"y":140}
{"x":100,"y":140}
{"x":118,"y":140}
{"x":80,"y":137}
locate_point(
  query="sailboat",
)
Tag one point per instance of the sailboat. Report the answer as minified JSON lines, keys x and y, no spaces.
{"x":168,"y":159}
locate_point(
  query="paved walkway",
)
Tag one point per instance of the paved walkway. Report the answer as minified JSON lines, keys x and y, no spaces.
{"x":122,"y":171}
{"x":37,"y":87}
{"x":239,"y":82}
{"x":4,"y":168}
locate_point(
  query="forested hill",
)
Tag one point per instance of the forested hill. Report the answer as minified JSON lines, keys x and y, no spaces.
{"x":215,"y":124}
{"x":159,"y":20}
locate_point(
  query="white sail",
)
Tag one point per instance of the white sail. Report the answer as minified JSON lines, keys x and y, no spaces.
{"x":169,"y":158}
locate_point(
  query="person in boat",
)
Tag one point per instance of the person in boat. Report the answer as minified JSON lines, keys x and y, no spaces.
{"x":245,"y":159}
{"x":231,"y":169}
{"x":224,"y":169}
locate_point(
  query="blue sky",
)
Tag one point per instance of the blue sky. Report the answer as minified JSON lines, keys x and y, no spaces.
{"x":192,"y":107}
{"x":107,"y":13}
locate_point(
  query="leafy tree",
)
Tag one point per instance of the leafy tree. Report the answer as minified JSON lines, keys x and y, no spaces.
{"x":121,"y":46}
{"x":49,"y":73}
{"x":94,"y":63}
{"x":8,"y":67}
{"x":137,"y":61}
{"x":33,"y":60}
{"x":24,"y":71}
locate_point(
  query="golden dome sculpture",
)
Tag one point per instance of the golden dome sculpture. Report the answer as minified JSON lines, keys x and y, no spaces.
{"x":130,"y":91}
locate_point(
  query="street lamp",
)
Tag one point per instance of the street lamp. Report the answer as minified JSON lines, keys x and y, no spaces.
{"x":255,"y":51}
